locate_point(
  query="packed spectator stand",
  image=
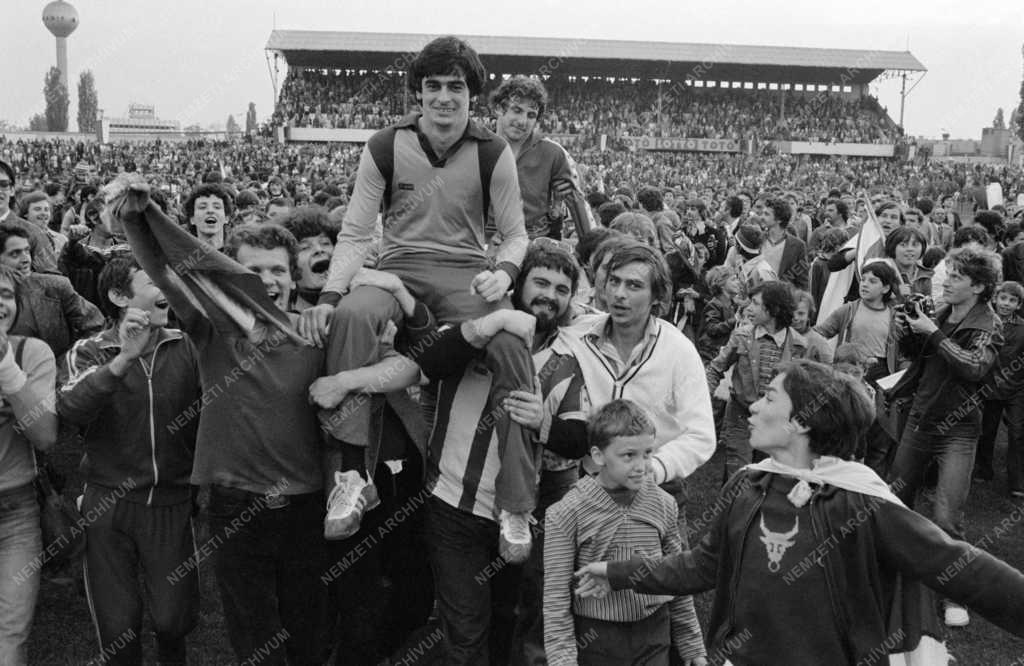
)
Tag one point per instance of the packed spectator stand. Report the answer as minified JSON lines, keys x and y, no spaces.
{"x":591,"y":107}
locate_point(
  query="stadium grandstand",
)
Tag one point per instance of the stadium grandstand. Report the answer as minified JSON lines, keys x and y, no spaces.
{"x":341,"y":86}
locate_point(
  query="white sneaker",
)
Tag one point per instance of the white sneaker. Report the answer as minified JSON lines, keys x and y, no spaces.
{"x":515,"y":540}
{"x":351,"y":497}
{"x":956,"y":615}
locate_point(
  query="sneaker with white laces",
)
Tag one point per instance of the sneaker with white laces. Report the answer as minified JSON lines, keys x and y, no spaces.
{"x":515,"y":540}
{"x":956,"y":615}
{"x":351,"y":497}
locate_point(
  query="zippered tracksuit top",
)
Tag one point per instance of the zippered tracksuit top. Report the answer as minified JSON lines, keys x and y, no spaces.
{"x":137,"y":428}
{"x":140,"y":435}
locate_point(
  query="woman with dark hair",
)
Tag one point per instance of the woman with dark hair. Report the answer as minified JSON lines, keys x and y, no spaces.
{"x":906,"y":247}
{"x":812,"y":556}
{"x":890,"y":218}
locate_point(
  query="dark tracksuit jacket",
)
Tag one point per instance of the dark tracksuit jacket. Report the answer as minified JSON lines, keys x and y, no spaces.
{"x":140,"y":435}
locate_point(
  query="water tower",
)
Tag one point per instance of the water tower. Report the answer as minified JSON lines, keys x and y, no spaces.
{"x":61,"y":19}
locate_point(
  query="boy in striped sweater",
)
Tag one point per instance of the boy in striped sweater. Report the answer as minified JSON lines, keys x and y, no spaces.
{"x":618,"y":513}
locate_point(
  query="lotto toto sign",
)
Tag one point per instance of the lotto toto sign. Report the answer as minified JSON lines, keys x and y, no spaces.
{"x":694,"y":145}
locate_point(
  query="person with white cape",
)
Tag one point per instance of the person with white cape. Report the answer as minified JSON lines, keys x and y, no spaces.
{"x":813,"y":558}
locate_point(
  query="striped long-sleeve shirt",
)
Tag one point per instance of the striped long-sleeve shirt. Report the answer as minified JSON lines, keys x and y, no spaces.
{"x":588,"y":525}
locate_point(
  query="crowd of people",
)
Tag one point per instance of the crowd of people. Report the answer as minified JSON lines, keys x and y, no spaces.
{"x":466,"y":344}
{"x":589,"y":107}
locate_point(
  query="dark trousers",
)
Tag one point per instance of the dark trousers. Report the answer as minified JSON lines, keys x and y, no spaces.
{"x":1010,"y":412}
{"x":880,"y":449}
{"x":953,"y":451}
{"x":736,"y":437}
{"x":269,"y":563}
{"x":353,"y":342}
{"x":380,"y":584}
{"x":123,"y":540}
{"x":476,"y":589}
{"x":528,"y":638}
{"x":647,"y":641}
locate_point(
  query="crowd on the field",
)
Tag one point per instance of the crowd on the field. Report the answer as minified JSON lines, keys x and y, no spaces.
{"x":457,"y":378}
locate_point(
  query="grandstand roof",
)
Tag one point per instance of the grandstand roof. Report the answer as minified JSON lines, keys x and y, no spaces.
{"x":605,"y":57}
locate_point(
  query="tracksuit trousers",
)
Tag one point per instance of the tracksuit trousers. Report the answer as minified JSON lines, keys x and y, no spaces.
{"x":123,"y":539}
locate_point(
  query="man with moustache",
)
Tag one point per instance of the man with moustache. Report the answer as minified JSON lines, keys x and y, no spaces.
{"x":462,"y":463}
{"x":629,"y":352}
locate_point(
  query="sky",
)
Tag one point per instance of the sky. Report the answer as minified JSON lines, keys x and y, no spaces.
{"x":199,"y":61}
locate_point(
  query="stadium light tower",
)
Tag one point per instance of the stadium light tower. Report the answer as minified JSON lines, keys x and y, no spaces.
{"x":61,"y":19}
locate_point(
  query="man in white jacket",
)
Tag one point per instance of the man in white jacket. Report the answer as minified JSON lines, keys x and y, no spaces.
{"x":631,"y":353}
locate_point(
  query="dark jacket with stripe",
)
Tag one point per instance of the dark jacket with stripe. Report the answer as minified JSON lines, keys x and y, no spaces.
{"x":139,"y":429}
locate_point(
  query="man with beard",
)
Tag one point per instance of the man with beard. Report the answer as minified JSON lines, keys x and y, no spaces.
{"x":313,"y":229}
{"x":629,"y":353}
{"x":463,"y":454}
{"x":208,"y":210}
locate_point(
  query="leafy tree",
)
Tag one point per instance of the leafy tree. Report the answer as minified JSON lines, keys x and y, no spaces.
{"x":1020,"y":109}
{"x":1020,"y":114}
{"x":250,"y":118}
{"x":37,"y":123}
{"x":88,"y":102}
{"x":56,"y":95}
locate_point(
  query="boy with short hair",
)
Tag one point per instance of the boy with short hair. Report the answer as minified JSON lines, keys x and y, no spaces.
{"x":813,"y":559}
{"x":127,"y":388}
{"x":1002,"y":393}
{"x":619,"y":512}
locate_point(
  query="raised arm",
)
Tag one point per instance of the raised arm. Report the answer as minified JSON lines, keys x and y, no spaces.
{"x":153,"y":261}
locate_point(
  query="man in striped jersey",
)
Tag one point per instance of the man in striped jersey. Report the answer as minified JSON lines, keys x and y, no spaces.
{"x":476,"y":589}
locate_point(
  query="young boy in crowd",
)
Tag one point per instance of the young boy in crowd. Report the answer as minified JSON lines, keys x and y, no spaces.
{"x":818,"y":348}
{"x":869,"y":321}
{"x":754,"y":350}
{"x":718,"y":318}
{"x":127,"y":389}
{"x":619,"y":511}
{"x":813,"y":558}
{"x":831,"y":241}
{"x":1004,"y":399}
